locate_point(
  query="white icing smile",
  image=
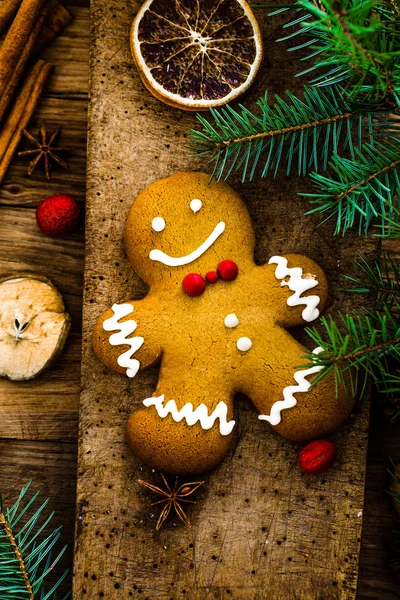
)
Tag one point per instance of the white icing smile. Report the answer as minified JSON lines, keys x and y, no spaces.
{"x":191,"y":415}
{"x":289,"y":401}
{"x":172,"y":261}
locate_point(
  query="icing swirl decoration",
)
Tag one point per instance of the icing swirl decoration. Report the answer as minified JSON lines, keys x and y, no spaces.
{"x":192,"y":416}
{"x":274,"y":417}
{"x":171,"y":261}
{"x":126,"y":329}
{"x":297,"y":284}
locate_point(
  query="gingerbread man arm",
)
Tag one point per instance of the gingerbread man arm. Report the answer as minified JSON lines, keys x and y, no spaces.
{"x":304,"y":289}
{"x":126,"y":337}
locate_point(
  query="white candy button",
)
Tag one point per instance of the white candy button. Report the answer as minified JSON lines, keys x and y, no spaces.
{"x":231,"y":320}
{"x":244,"y":343}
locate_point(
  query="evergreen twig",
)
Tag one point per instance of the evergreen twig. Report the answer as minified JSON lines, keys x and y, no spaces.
{"x":353,"y":41}
{"x":391,"y":227}
{"x":381,"y":278}
{"x":305,"y":131}
{"x":26,"y":551}
{"x":358,"y":347}
{"x":362,"y":189}
{"x":366,"y":344}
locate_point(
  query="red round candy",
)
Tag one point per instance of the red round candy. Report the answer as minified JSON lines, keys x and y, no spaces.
{"x":317,"y":457}
{"x":58,"y":215}
{"x":212,"y":276}
{"x":228,"y":270}
{"x":194,"y":284}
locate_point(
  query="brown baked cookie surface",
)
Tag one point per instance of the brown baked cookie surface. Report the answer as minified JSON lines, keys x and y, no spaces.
{"x":217,"y":323}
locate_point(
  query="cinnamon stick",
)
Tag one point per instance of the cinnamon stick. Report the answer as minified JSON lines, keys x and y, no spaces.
{"x":57,"y":18}
{"x":17,"y":37}
{"x":20,"y":67}
{"x":45,"y":30}
{"x":8,"y":10}
{"x":21,"y":112}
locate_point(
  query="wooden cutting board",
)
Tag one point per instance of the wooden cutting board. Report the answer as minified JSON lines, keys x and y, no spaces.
{"x":260,"y":529}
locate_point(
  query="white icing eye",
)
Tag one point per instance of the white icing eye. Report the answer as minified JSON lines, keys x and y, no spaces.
{"x":196,"y":205}
{"x":158,"y":224}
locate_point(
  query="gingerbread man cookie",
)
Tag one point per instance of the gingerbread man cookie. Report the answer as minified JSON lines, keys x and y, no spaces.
{"x":217,"y":323}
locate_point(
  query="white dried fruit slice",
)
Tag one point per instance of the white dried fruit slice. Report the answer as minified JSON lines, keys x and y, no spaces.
{"x":33,"y":325}
{"x":196,"y":54}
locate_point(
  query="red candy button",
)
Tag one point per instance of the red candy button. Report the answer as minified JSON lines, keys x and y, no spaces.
{"x":194,"y":284}
{"x":212,"y":276}
{"x":228,"y":270}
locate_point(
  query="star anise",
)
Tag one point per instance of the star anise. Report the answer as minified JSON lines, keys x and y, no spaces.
{"x":44,"y":149}
{"x":172,"y":497}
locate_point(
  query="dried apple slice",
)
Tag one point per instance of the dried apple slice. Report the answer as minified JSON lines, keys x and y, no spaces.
{"x":33,"y":325}
{"x":196,"y":54}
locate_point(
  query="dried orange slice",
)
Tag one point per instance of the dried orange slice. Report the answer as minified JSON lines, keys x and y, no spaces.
{"x":196,"y":54}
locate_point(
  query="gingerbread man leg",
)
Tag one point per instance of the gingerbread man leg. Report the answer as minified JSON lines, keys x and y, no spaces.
{"x":175,"y":431}
{"x":284,"y":397}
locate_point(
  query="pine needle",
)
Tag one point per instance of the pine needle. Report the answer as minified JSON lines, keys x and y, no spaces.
{"x":351,"y":42}
{"x":362,"y":189}
{"x":26,"y":551}
{"x":301,"y":133}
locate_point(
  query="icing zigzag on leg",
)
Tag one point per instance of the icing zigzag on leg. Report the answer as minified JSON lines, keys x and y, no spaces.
{"x":192,"y":416}
{"x":274,"y":417}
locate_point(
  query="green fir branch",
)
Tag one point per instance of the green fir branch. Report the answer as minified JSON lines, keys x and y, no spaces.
{"x":358,"y":347}
{"x":362,"y":189}
{"x":391,"y":227}
{"x":350,"y":41}
{"x":305,"y":132}
{"x":394,"y":472}
{"x":381,"y":278}
{"x":26,"y":550}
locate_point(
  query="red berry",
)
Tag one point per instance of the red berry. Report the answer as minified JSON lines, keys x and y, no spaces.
{"x":194,"y":284}
{"x":228,"y":270}
{"x":317,"y":457}
{"x":212,"y":276}
{"x":58,"y":215}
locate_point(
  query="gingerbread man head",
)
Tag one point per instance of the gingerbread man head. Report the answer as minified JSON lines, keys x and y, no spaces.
{"x":217,"y":323}
{"x":182,"y":224}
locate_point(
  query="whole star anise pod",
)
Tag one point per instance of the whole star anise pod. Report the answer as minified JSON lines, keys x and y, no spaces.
{"x":172,"y":497}
{"x":44,"y":150}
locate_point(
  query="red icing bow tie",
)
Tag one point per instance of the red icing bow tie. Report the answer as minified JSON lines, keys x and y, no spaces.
{"x":195,"y":284}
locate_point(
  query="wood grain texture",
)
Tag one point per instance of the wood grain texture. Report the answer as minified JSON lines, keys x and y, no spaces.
{"x":47,"y":407}
{"x":261,"y":528}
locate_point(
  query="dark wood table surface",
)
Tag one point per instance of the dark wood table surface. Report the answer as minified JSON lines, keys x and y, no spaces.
{"x":38,"y":419}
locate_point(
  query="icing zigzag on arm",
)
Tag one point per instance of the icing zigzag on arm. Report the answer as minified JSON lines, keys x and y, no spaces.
{"x":126,"y":328}
{"x":274,"y":417}
{"x":192,"y":416}
{"x":298,"y":284}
